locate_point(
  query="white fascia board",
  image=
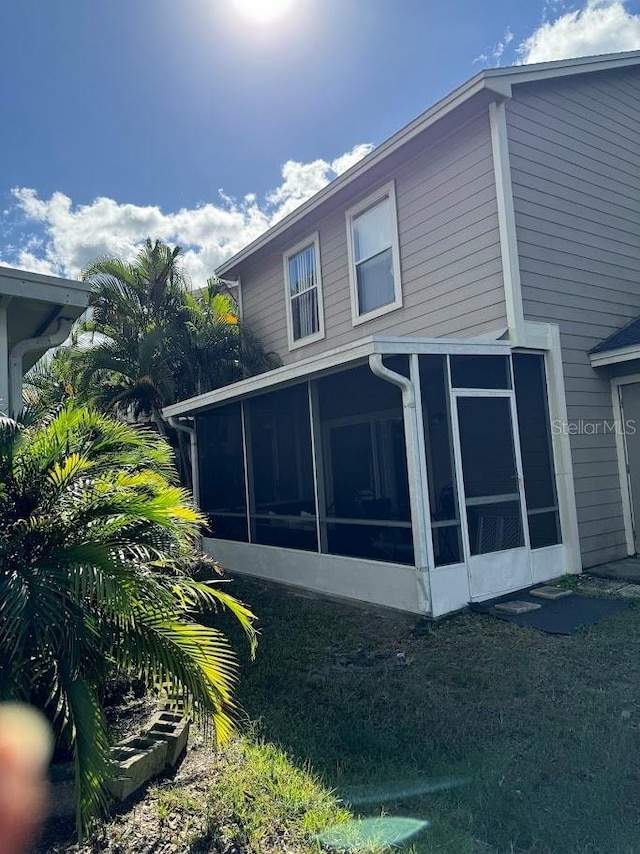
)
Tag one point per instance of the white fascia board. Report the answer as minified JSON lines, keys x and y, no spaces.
{"x":20,"y":283}
{"x":388,"y":346}
{"x":563,"y":68}
{"x":336,"y":358}
{"x":613,"y":357}
{"x":498,"y":81}
{"x":316,"y":364}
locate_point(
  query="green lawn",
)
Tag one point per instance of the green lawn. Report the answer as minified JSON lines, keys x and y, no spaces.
{"x":546,"y":728}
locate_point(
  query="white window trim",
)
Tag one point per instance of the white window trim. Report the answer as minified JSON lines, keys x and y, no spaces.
{"x":312,"y":240}
{"x":390,"y":191}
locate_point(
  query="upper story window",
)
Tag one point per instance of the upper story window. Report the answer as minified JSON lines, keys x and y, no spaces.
{"x":303,"y":285}
{"x":374,"y":259}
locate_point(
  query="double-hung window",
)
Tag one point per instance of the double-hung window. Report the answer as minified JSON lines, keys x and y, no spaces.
{"x":374,"y":263}
{"x":303,"y":286}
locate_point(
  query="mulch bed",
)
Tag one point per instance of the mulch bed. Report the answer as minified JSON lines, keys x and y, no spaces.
{"x":140,"y":826}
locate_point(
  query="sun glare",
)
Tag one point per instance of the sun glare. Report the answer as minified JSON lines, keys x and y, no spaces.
{"x":262,"y":11}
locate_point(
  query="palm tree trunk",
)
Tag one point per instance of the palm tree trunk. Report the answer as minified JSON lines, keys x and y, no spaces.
{"x":184,"y":460}
{"x":158,"y":420}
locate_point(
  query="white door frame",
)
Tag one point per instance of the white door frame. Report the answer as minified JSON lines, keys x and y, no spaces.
{"x":504,"y":555}
{"x":621,"y":448}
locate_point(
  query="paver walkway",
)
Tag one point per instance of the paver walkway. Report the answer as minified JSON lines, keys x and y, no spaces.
{"x":627,"y":570}
{"x":619,"y":577}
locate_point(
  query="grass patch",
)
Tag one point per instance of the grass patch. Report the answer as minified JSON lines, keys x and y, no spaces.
{"x":254,"y":798}
{"x":545,"y":727}
{"x":268,"y":804}
{"x":381,"y":710}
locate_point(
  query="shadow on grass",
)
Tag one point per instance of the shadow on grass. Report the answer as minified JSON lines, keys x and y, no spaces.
{"x":546,"y":727}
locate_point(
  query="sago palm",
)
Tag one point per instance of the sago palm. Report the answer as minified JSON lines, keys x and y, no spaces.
{"x":96,"y":547}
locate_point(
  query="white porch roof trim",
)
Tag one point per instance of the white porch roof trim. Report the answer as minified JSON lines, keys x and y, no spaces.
{"x":338,"y":357}
{"x":615,"y":357}
{"x":37,"y":286}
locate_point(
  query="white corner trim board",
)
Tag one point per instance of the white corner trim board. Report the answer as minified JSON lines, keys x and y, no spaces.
{"x":506,"y":222}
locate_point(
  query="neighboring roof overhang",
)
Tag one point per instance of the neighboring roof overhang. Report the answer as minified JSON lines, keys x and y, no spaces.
{"x":615,"y":357}
{"x":334,"y":360}
{"x":36,"y":305}
{"x":497,"y":82}
{"x":623,"y":345}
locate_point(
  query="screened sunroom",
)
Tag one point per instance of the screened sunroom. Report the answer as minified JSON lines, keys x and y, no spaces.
{"x":404,"y":472}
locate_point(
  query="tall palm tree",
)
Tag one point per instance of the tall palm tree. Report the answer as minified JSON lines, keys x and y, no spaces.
{"x":97,"y":553}
{"x":136,"y":309}
{"x":216,"y":349}
{"x":158,"y":339}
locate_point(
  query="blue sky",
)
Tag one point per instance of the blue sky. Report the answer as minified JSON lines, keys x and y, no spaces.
{"x":124,"y":119}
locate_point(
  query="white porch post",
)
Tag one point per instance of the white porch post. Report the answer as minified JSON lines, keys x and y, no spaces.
{"x":317,"y":456}
{"x":426,"y":546}
{"x":249,"y":492}
{"x":546,"y":336}
{"x":561,"y":443}
{"x":416,"y":473}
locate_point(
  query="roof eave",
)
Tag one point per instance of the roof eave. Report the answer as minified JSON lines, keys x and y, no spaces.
{"x":498,"y":81}
{"x":438,"y":111}
{"x":564,"y":68}
{"x":53,"y":289}
{"x":615,"y":357}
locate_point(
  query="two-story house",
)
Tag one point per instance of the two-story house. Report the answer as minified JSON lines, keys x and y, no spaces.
{"x":447,"y":424}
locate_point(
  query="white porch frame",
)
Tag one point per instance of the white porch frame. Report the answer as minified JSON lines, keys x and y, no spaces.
{"x":336,"y":359}
{"x":436,"y":590}
{"x":500,"y":557}
{"x":546,"y":337}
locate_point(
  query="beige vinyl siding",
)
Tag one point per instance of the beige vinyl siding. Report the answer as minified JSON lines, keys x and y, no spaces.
{"x":449,"y":251}
{"x":575,"y":166}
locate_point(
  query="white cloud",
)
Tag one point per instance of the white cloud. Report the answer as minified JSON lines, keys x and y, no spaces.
{"x":601,"y":26}
{"x":74,"y":235}
{"x":493,"y":56}
{"x":302,"y":180}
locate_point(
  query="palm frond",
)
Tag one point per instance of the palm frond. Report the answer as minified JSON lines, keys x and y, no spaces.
{"x":89,"y":737}
{"x":97,"y":549}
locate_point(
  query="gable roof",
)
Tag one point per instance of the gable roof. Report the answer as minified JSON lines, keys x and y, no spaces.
{"x":495,"y":81}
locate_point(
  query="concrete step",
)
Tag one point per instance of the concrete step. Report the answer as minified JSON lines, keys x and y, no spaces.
{"x":550,"y":592}
{"x":516,"y":607}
